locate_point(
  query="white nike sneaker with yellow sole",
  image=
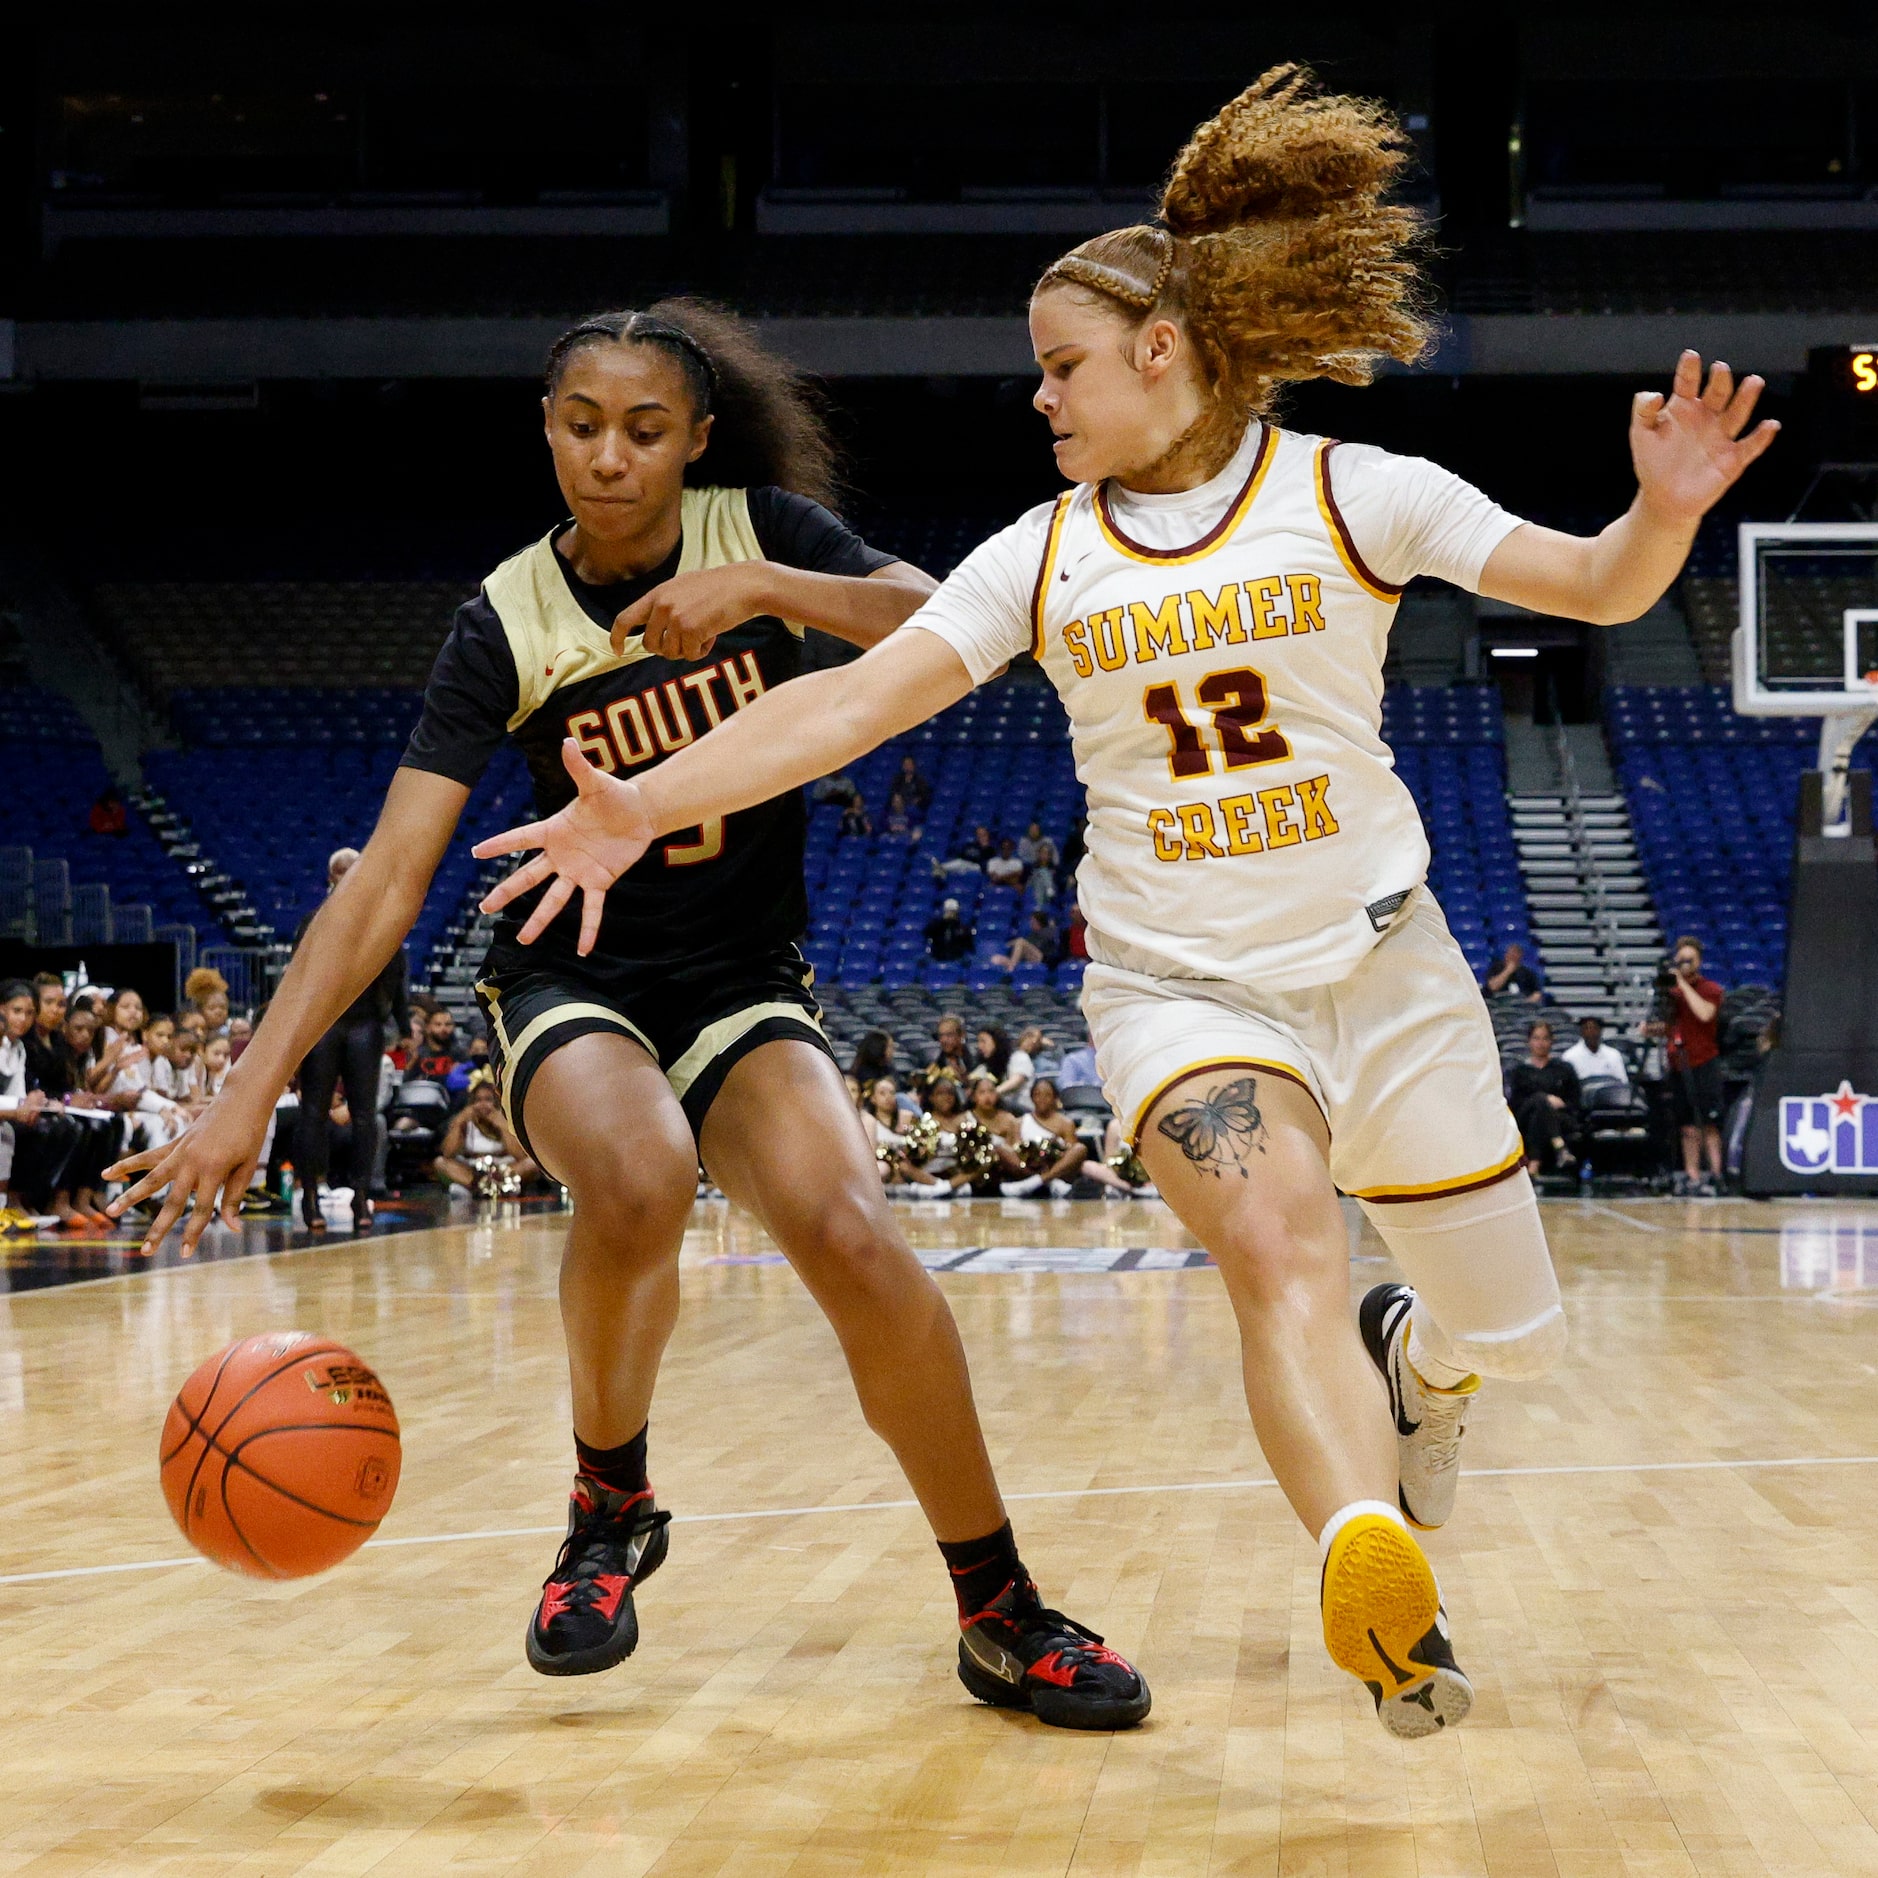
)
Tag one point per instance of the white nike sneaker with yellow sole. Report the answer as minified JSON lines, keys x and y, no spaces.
{"x":1384,"y":1624}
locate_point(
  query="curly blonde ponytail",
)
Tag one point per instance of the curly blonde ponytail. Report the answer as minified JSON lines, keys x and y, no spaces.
{"x":1275,"y":248}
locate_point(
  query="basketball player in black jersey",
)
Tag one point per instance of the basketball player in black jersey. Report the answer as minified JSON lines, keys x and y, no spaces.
{"x":676,"y":594}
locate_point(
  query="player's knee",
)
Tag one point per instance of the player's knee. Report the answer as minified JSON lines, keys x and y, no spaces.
{"x":848,"y":1248}
{"x":1520,"y":1355}
{"x":636,"y":1204}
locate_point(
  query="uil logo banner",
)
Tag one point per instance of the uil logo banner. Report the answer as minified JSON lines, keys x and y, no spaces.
{"x":1830,"y":1134}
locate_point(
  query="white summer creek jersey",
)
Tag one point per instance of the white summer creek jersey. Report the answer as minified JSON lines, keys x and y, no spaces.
{"x":1220,"y":655}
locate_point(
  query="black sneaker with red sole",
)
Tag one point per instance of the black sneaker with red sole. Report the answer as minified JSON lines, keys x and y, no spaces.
{"x":585,"y":1621}
{"x":1017,"y":1654}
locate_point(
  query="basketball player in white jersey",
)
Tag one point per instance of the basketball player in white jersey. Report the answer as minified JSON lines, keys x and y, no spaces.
{"x":1278,"y":1008}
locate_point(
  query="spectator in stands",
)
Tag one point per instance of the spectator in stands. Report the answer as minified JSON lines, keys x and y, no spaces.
{"x":124,"y":1077}
{"x":948,"y":937}
{"x":1512,"y":977}
{"x":991,"y":1055}
{"x":240,"y":1029}
{"x":406,"y":1050}
{"x":59,"y":1059}
{"x":192,"y":1023}
{"x":873,"y":1058}
{"x":214,"y":1070}
{"x":912,"y":785}
{"x":1695,"y":1079}
{"x":479,"y":1132}
{"x":972,"y":856}
{"x":1004,"y":869}
{"x":1543,"y":1094}
{"x":349,"y":1054}
{"x":1020,"y":1070}
{"x":20,"y":1105}
{"x":108,"y":815}
{"x":1029,"y":842}
{"x":836,"y":788}
{"x":1078,"y":1069}
{"x":1040,"y":888}
{"x":1076,"y":934}
{"x":855,"y":819}
{"x":185,"y":1075}
{"x":885,"y":1122}
{"x":442,"y":1050}
{"x":207,"y":992}
{"x":1038,"y":944}
{"x":949,"y":1058}
{"x":1047,"y":1114}
{"x":898,"y":824}
{"x":1594,"y":1060}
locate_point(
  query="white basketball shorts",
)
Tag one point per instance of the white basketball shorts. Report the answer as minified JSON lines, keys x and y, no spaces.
{"x":1399,"y":1056}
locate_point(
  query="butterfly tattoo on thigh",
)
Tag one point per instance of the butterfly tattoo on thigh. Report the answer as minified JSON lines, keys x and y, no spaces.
{"x":1223,"y":1129}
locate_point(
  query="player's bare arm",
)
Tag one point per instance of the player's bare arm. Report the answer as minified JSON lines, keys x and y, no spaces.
{"x":361,"y":924}
{"x":786,"y":738}
{"x":1688,"y":449}
{"x":681,"y":618}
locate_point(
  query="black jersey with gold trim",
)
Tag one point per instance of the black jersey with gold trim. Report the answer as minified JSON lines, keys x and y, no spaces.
{"x":530,"y":658}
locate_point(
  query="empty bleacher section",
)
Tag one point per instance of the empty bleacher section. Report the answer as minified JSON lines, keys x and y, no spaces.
{"x":1712,"y":799}
{"x":268,"y":818}
{"x":999,"y":757}
{"x":202,"y":633}
{"x":1449,"y":749}
{"x":77,"y":886}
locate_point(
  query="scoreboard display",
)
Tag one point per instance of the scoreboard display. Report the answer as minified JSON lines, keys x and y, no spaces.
{"x":1842,"y":391}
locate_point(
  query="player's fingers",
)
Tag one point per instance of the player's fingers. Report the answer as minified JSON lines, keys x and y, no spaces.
{"x":530,"y":874}
{"x":574,"y":760}
{"x":167,"y":1216}
{"x":1721,"y":386}
{"x":135,"y":1163}
{"x":592,"y":905}
{"x":1741,"y":406}
{"x":698,"y":642}
{"x":201,"y":1211}
{"x":1758,"y":439}
{"x":632,"y":620}
{"x":233,"y":1189}
{"x":1688,"y":379}
{"x":550,"y":903}
{"x":1647,"y":409}
{"x":510,"y":841}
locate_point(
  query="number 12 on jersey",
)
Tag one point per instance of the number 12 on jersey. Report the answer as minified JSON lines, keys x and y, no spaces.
{"x":1235,"y":701}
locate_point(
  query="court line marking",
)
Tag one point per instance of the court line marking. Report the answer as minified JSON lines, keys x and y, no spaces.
{"x":1057,"y":1493}
{"x":1611,"y":1212}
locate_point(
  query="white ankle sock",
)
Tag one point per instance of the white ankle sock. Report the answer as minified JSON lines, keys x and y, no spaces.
{"x":1436,"y":1371}
{"x":1344,"y":1514}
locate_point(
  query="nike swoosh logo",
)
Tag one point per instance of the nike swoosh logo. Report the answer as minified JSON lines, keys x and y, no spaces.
{"x":1401,"y":1675}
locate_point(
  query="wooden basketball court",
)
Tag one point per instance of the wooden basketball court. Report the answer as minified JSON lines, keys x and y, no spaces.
{"x":1663,"y":1578}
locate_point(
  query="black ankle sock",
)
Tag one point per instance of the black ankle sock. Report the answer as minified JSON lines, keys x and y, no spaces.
{"x":619,"y":1470}
{"x":981,"y":1568}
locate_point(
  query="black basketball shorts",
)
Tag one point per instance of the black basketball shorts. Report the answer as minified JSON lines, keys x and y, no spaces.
{"x":1695,"y":1095}
{"x":696,"y":1023}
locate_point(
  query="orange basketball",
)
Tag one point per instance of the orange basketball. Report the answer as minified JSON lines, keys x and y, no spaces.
{"x":280,"y":1455}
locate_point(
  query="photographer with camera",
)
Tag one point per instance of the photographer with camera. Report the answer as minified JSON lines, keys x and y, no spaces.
{"x":1688,"y":1007}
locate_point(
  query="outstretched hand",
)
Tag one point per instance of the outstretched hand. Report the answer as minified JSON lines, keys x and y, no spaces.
{"x":1688,"y":448}
{"x":588,"y":845}
{"x":215,"y":1155}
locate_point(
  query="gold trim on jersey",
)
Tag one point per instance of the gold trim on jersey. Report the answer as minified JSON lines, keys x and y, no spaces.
{"x":1283,"y":1071}
{"x":1339,"y":530}
{"x":1051,"y":542}
{"x":1221,"y":530}
{"x":714,"y":1039}
{"x":555,"y":644}
{"x":1445,"y":1189}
